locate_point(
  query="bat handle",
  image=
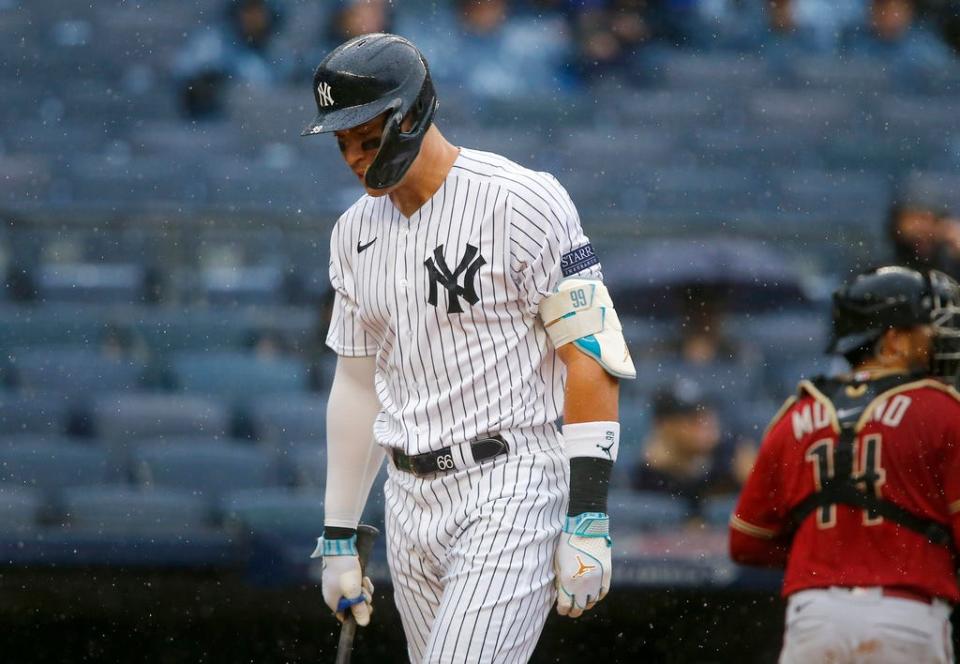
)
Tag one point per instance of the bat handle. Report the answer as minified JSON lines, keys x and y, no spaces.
{"x":366,"y":535}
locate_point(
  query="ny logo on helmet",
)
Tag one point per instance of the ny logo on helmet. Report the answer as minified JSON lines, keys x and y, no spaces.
{"x":324,"y":94}
{"x":469,"y":265}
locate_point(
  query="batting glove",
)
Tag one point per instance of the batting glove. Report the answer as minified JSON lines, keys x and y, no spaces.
{"x":343,"y":587}
{"x":583,"y":563}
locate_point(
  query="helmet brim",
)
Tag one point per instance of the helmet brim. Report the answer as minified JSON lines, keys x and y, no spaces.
{"x":348,"y":118}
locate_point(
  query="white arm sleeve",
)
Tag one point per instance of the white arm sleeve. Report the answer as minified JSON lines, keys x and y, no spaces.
{"x":353,"y":458}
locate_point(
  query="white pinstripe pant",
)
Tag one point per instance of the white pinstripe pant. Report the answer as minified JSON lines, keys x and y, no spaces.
{"x":471,"y":555}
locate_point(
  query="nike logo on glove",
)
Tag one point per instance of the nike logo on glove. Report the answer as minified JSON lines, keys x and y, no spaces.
{"x":584,"y":568}
{"x":363,"y":247}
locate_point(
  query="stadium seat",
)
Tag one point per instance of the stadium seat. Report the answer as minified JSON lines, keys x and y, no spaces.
{"x":852,"y":76}
{"x":92,"y":283}
{"x":783,"y":335}
{"x":140,"y":416}
{"x":634,"y":425}
{"x":632,"y":511}
{"x":716,"y":510}
{"x":244,"y":286}
{"x":55,"y":325}
{"x":72,"y":371}
{"x":126,"y":510}
{"x":51,"y":466}
{"x":209,"y":470}
{"x":309,"y":464}
{"x":276,"y":511}
{"x":714,"y":71}
{"x":287,"y":418}
{"x":20,"y":508}
{"x":40,"y":414}
{"x":238,"y":375}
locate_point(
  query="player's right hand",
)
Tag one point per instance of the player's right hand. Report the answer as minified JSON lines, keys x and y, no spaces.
{"x":583,"y":563}
{"x":345,"y":588}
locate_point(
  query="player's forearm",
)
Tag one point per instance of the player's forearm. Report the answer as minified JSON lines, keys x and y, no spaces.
{"x":748,"y":550}
{"x":591,"y":393}
{"x":590,"y":430}
{"x":353,"y":458}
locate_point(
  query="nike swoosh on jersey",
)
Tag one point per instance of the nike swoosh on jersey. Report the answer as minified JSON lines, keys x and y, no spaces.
{"x":363,"y":247}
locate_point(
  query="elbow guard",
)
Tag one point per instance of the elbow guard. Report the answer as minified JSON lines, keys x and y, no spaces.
{"x":581,"y":312}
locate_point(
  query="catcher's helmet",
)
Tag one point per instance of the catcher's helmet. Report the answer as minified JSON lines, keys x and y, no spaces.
{"x":899,"y":297}
{"x":368,"y":76}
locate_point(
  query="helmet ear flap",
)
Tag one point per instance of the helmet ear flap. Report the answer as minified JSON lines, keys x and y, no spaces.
{"x":377,"y":176}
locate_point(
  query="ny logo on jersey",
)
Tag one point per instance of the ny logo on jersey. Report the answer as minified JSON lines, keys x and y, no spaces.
{"x":324,"y":94}
{"x":469,"y":265}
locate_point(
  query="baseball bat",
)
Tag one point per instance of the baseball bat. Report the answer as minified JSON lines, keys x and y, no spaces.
{"x":366,"y":535}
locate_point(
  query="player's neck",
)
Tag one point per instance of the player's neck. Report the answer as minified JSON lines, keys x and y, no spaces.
{"x":427,"y":173}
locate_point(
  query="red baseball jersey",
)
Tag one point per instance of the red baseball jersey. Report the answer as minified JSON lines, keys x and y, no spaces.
{"x":908,"y":444}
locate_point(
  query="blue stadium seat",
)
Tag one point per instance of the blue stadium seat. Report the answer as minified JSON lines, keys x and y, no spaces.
{"x":635,"y":421}
{"x":121,"y":451}
{"x":92,"y":283}
{"x":140,"y":416}
{"x":238,"y":375}
{"x":287,"y":418}
{"x":244,"y":286}
{"x":41,"y":414}
{"x":309,"y":464}
{"x":209,"y":470}
{"x":632,"y":511}
{"x":52,"y":466}
{"x":20,"y":508}
{"x":126,"y":510}
{"x":716,"y":510}
{"x":850,"y":76}
{"x":74,"y":371}
{"x":281,"y":511}
{"x":56,"y":324}
{"x":171,"y":330}
{"x":784,"y":335}
{"x":714,"y":71}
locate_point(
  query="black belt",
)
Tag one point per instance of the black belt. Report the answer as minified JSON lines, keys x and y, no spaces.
{"x":455,"y":457}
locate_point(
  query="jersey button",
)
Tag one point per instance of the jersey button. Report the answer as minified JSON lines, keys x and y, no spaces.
{"x":403,"y":283}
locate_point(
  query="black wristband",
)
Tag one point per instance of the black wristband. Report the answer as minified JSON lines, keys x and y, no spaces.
{"x":589,"y":482}
{"x":335,"y":533}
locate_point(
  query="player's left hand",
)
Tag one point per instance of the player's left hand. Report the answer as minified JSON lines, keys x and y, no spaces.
{"x":583,"y":563}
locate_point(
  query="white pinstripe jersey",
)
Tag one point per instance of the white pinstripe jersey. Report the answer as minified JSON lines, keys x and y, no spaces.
{"x":447,"y":300}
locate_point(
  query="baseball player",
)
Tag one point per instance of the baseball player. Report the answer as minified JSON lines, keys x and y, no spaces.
{"x":470,"y":315}
{"x":856,"y":490}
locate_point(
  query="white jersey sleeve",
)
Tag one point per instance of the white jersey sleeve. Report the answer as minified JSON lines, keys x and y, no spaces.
{"x":347,"y":335}
{"x":547,"y":243}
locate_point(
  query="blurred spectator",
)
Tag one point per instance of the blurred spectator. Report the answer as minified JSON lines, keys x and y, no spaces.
{"x":609,"y":33}
{"x":701,"y":339}
{"x":478,"y":47}
{"x":778,"y":29}
{"x":269,"y":344}
{"x":923,"y":237}
{"x":241,"y":49}
{"x":891,"y":32}
{"x":683,"y":454}
{"x":352,"y":18}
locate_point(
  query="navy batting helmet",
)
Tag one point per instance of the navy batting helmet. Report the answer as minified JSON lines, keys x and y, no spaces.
{"x":899,"y":297}
{"x":366,"y":77}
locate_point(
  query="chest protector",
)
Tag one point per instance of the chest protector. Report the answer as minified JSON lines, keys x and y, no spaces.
{"x":849,"y":402}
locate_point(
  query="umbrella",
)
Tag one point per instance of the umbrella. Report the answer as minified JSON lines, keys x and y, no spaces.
{"x":663,"y":276}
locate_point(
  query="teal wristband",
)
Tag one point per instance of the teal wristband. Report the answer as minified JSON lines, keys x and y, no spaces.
{"x":335,"y":547}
